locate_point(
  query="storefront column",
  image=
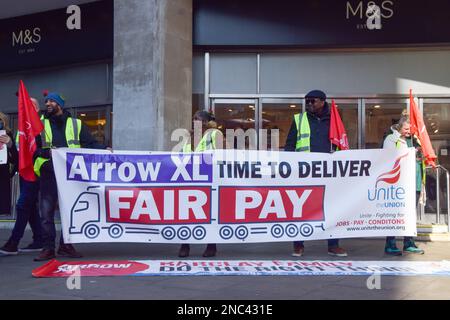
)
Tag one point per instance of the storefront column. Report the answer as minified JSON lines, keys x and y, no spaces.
{"x":152,"y":86}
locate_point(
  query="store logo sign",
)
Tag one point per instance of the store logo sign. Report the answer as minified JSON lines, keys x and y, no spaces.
{"x":374,"y":13}
{"x":26,"y":37}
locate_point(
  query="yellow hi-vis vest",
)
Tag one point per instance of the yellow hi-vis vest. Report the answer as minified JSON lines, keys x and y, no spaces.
{"x":73,"y":128}
{"x":303,"y":133}
{"x":208,"y":142}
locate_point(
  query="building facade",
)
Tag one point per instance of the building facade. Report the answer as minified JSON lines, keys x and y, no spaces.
{"x":138,"y":69}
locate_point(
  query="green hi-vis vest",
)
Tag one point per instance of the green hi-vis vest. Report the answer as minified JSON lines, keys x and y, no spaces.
{"x":303,"y":133}
{"x":208,"y":142}
{"x":73,"y":128}
{"x":17,"y":140}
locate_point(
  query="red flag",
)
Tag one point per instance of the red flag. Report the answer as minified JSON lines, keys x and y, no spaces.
{"x":420,"y":131}
{"x":338,"y":136}
{"x":29,"y":127}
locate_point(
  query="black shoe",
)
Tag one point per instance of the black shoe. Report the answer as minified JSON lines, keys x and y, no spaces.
{"x":210,"y":251}
{"x":32,"y":247}
{"x":184,"y":251}
{"x":46,"y":254}
{"x":67,"y":250}
{"x":10,"y":248}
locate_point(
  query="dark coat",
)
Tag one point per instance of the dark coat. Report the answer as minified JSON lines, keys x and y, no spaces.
{"x":7,"y":171}
{"x":320,"y":129}
{"x":58,"y":125}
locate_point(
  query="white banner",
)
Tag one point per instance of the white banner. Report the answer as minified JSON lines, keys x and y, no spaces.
{"x":56,"y":268}
{"x":234,"y":196}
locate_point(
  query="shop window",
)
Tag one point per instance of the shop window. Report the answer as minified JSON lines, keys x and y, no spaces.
{"x":98,"y":122}
{"x":380,"y":116}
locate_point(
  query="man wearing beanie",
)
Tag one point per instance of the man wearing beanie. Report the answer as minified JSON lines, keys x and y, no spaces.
{"x":61,"y":130}
{"x":309,"y":132}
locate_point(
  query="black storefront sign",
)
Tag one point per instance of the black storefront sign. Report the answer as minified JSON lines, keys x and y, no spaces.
{"x":321,"y":23}
{"x":52,"y":38}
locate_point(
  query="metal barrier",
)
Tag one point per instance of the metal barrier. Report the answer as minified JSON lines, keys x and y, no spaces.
{"x":438,"y":200}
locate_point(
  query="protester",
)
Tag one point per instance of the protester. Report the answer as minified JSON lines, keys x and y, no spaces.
{"x":61,"y":130}
{"x":8,"y":169}
{"x":27,"y":212}
{"x":400,"y":139}
{"x":210,"y":140}
{"x":309,"y":132}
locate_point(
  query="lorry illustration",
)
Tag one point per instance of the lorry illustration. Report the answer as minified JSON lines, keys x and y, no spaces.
{"x":85,"y":216}
{"x":241,"y":232}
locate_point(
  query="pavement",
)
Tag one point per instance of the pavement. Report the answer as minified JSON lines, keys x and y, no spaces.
{"x":16,"y":281}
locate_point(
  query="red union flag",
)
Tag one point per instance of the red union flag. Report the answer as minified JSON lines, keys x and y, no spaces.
{"x":338,"y":136}
{"x":420,"y":131}
{"x":29,"y":127}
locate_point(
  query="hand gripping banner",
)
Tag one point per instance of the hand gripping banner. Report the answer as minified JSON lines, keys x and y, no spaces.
{"x":234,"y":196}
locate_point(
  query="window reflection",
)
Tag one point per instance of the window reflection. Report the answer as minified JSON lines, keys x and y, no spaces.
{"x":96,"y":122}
{"x":278,"y":116}
{"x":237,"y":116}
{"x":379,"y":119}
{"x":437,"y":121}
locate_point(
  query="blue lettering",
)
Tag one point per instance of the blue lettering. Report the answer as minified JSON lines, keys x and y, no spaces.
{"x":385,"y":194}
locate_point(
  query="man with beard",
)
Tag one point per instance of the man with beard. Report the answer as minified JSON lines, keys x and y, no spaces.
{"x":61,"y":130}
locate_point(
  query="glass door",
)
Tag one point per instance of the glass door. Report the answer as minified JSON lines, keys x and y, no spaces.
{"x":98,"y":121}
{"x":436,"y":114}
{"x":239,"y":117}
{"x":276,"y":118}
{"x":380,"y":115}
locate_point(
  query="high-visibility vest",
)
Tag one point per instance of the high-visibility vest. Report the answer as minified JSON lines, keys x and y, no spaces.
{"x":17,"y":141}
{"x":208,"y":142}
{"x":303,"y":133}
{"x":73,"y":128}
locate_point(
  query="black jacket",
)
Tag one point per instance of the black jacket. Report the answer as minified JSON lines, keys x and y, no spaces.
{"x":10,"y":168}
{"x":320,"y":128}
{"x":58,"y":125}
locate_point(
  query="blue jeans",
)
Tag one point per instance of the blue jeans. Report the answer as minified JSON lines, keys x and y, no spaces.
{"x":48,"y":199}
{"x":27,"y":212}
{"x":332,"y":243}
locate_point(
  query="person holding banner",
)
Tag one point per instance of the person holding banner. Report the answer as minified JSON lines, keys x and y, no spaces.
{"x":399,"y":139}
{"x":210,"y":140}
{"x":309,"y":132}
{"x":61,"y":130}
{"x":27,"y":212}
{"x":9,"y":167}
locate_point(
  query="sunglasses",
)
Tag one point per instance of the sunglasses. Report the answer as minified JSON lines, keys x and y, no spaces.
{"x":310,"y":101}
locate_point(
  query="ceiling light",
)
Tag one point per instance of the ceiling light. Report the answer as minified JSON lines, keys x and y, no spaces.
{"x":377,"y":106}
{"x":293,"y":106}
{"x":83,"y":114}
{"x":436,"y":131}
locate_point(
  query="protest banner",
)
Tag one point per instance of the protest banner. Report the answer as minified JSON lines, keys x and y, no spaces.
{"x":58,"y":269}
{"x":234,"y":196}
